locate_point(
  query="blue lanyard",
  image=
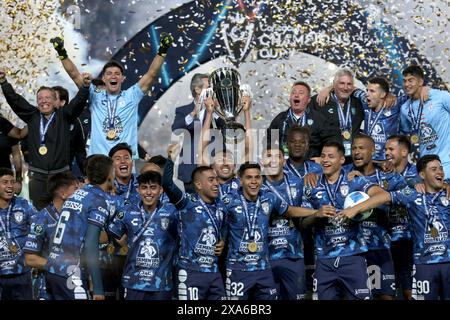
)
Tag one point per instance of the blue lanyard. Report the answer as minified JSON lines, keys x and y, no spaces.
{"x":112,"y":107}
{"x":294,"y":171}
{"x":214,"y":218}
{"x":345,"y":122}
{"x":290,"y":116}
{"x":43,"y":129}
{"x":332,"y":195}
{"x":415,"y":120}
{"x":250,"y":220}
{"x":288,"y":190}
{"x":372,"y":123}
{"x":7,"y":227}
{"x":430,"y":216}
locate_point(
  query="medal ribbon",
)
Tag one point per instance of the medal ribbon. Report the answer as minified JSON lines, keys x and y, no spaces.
{"x":112,"y":107}
{"x":288,"y":190}
{"x":214,"y":217}
{"x":294,"y":171}
{"x":43,"y":129}
{"x":415,"y":120}
{"x":331,"y":195}
{"x":146,"y":223}
{"x":372,"y":123}
{"x":427,"y":212}
{"x":345,"y":122}
{"x":251,"y":220}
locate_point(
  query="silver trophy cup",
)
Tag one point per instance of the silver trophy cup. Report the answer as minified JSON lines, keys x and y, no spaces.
{"x":225,"y":84}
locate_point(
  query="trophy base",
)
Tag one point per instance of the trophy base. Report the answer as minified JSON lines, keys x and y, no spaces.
{"x":233,"y":132}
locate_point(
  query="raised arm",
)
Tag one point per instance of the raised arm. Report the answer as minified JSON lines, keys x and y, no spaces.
{"x":147,"y":79}
{"x":79,"y":102}
{"x":17,"y":103}
{"x":68,"y":65}
{"x":173,"y":192}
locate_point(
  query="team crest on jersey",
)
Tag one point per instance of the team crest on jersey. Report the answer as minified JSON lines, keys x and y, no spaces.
{"x":164,"y":223}
{"x":310,"y":122}
{"x":387,"y":113}
{"x":265,"y":207}
{"x":18,"y":216}
{"x":407,"y":191}
{"x":38,"y":229}
{"x":344,"y":190}
{"x":226,"y":200}
{"x":120,"y":215}
{"x":294,"y":192}
{"x":192,"y":197}
{"x":234,"y":185}
{"x":307,"y":191}
{"x":444,"y":201}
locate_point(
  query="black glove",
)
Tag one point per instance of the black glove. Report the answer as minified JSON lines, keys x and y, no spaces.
{"x":165,"y":44}
{"x":58,"y":43}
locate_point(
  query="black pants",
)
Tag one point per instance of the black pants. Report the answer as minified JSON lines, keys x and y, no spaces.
{"x":16,"y":287}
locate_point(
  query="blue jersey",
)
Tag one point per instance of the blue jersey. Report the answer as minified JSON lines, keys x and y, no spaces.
{"x":247,"y":223}
{"x":200,"y":228}
{"x":300,"y":171}
{"x":399,"y":223}
{"x":14,"y":227}
{"x":375,"y":228}
{"x":333,"y":238}
{"x":43,"y":226}
{"x":125,"y":118}
{"x":89,"y":204}
{"x":382,"y":124}
{"x":434,"y":125}
{"x":152,"y":242}
{"x":285,"y":241}
{"x":430,"y":221}
{"x":231,"y":186}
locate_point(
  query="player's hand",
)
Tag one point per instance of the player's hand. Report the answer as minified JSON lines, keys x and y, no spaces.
{"x":219,"y":247}
{"x":420,"y":187}
{"x":310,"y":179}
{"x":166,"y":41}
{"x":209,"y":105}
{"x":247,"y":102}
{"x":346,"y":214}
{"x":325,"y":211}
{"x":58,"y":44}
{"x":387,"y":166}
{"x":173,"y":150}
{"x":87,"y":78}
{"x":390,"y":101}
{"x":447,"y":189}
{"x":353,"y":174}
{"x":98,"y":297}
{"x":324,"y":96}
{"x":2,"y":75}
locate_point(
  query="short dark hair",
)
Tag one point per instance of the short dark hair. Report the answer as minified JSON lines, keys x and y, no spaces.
{"x":111,"y":64}
{"x":97,"y":82}
{"x":298,"y":129}
{"x":159,"y":160}
{"x":401,"y":140}
{"x":6,"y":172}
{"x":118,"y":147}
{"x":302,"y":83}
{"x":363,"y":136}
{"x":59,"y":180}
{"x":98,"y":168}
{"x":415,"y":71}
{"x":149,"y":177}
{"x":42,"y":88}
{"x":423,"y":161}
{"x":248,"y":165}
{"x":199,"y":170}
{"x":335,"y":144}
{"x":382,"y":82}
{"x":197,"y":81}
{"x":63,"y":93}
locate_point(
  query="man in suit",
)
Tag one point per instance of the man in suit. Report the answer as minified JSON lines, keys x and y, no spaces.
{"x":189,"y":120}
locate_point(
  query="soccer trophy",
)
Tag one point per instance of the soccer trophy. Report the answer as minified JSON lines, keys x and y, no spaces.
{"x":225,"y":84}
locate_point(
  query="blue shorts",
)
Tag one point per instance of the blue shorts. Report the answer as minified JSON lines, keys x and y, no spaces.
{"x":131,"y":294}
{"x":289,"y":275}
{"x":380,"y":269}
{"x":251,"y":285}
{"x":402,"y":255}
{"x":16,"y":287}
{"x":342,"y":275}
{"x":195,"y":285}
{"x":431,"y":281}
{"x":63,"y":288}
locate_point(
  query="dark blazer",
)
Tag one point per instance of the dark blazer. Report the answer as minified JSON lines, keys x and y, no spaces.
{"x":320,"y":131}
{"x":188,"y":160}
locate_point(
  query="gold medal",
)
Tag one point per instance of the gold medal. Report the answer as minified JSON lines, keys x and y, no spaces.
{"x":13,"y":248}
{"x":414,"y":139}
{"x":434,"y":232}
{"x":43,"y":150}
{"x":111,"y":134}
{"x":346,"y":134}
{"x":123,"y":251}
{"x":110,"y":248}
{"x":385,"y":184}
{"x":252,"y":247}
